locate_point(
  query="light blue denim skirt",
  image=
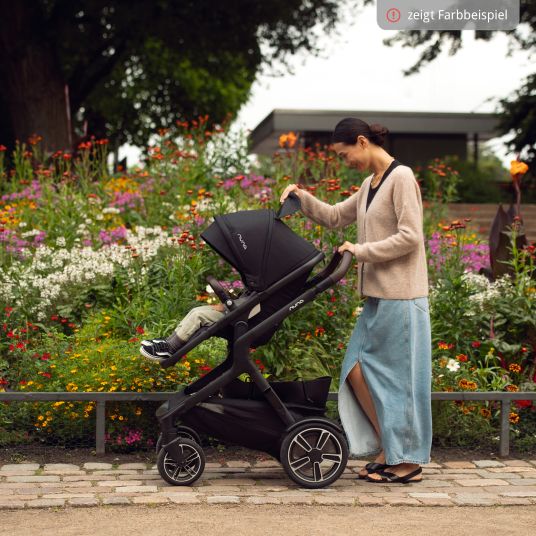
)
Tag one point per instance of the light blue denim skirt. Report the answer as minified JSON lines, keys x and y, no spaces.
{"x":392,"y":342}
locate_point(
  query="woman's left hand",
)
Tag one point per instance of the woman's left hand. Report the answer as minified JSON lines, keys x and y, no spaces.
{"x":347,"y":246}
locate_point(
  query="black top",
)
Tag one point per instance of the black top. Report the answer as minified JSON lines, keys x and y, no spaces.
{"x":373,"y":191}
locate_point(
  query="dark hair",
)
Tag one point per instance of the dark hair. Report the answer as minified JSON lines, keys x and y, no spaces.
{"x":349,"y":128}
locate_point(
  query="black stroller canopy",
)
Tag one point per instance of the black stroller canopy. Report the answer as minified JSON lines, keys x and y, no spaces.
{"x":258,"y":245}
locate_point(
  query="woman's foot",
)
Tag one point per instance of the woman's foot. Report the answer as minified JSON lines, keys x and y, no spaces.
{"x":379,"y":459}
{"x":401,"y":470}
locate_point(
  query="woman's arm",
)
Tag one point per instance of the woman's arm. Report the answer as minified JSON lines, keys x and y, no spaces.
{"x":408,"y":208}
{"x":330,"y":216}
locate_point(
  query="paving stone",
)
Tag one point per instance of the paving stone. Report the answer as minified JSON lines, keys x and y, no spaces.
{"x":45,"y":503}
{"x":16,"y":485}
{"x":5,"y":505}
{"x":92,"y":477}
{"x":115,"y":472}
{"x":424,"y":495}
{"x":184,"y":498}
{"x":232,"y":482}
{"x":482,"y":482}
{"x":488,"y":463}
{"x":218,"y":489}
{"x":137,"y":489}
{"x":114,"y":499}
{"x":436,"y":502}
{"x":516,"y":463}
{"x":30,"y":479}
{"x":17,"y":473}
{"x":20,"y":467}
{"x":92,"y":466}
{"x":123,"y":466}
{"x":484,"y":473}
{"x":80,"y":501}
{"x":367,"y":500}
{"x":67,"y":495}
{"x":401,"y":501}
{"x":223,"y":499}
{"x":514,"y":469}
{"x":126,"y":478}
{"x":518,"y":493}
{"x":83,"y":484}
{"x":296,"y":499}
{"x":512,"y":501}
{"x":148,"y":499}
{"x":459,"y":465}
{"x":469,"y":500}
{"x":119,"y":483}
{"x":60,"y":467}
{"x":523,"y":482}
{"x":263,"y":500}
{"x":335,"y":501}
{"x":431,"y":465}
{"x":164,"y":486}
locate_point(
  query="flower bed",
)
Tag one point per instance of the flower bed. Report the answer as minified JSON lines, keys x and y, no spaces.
{"x":93,"y":262}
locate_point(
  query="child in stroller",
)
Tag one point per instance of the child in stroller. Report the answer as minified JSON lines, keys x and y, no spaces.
{"x":204,"y":315}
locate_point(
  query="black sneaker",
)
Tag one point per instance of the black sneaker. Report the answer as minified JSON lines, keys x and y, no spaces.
{"x":151,"y":342}
{"x":156,"y":352}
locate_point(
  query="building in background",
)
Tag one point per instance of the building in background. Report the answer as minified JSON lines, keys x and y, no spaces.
{"x":415,"y":137}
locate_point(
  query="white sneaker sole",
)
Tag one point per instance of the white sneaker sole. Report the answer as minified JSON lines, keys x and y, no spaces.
{"x":147,"y":355}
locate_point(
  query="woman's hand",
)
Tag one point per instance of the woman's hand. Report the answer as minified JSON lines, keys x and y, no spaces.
{"x":290,"y":188}
{"x":347,"y":246}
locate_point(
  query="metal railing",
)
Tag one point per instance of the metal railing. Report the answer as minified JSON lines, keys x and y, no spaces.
{"x":100,"y":399}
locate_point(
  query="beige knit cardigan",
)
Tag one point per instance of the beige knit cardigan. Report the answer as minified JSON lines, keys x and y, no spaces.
{"x":390,"y":235}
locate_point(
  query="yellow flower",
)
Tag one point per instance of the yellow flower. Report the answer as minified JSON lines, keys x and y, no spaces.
{"x":40,"y":418}
{"x":513,"y":418}
{"x":512,"y":388}
{"x":514,"y":367}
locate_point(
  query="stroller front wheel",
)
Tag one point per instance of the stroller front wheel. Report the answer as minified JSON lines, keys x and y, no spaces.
{"x":314,"y":455}
{"x":181,"y":462}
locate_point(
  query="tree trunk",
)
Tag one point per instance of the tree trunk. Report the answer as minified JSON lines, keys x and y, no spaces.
{"x":33,"y":87}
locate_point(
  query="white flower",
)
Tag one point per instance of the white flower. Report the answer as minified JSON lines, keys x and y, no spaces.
{"x":99,"y":217}
{"x":110,"y":210}
{"x":453,"y":365}
{"x":60,"y":241}
{"x":23,"y":224}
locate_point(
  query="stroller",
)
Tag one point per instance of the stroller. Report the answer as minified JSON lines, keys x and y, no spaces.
{"x":284,"y":419}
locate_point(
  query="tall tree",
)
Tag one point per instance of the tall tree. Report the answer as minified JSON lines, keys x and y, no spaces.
{"x":126,"y":68}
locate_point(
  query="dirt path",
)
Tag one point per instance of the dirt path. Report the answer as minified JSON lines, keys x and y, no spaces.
{"x":271,"y":520}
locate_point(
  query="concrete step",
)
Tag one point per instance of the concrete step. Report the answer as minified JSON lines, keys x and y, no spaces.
{"x":482,"y":216}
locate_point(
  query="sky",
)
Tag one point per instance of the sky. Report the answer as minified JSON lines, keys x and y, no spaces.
{"x":356,"y":71}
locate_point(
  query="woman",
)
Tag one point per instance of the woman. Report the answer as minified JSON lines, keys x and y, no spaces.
{"x":385,"y":387}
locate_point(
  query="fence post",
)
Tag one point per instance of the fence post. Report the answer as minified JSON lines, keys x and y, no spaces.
{"x":100,"y":426}
{"x":504,"y":446}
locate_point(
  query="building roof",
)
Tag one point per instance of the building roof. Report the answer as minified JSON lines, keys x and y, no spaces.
{"x":264,"y":137}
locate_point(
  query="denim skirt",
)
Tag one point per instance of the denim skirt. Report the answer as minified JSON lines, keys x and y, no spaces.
{"x":392,"y":342}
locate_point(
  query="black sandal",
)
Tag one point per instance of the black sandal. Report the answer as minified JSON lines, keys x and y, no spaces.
{"x":373,"y":467}
{"x":393,"y":478}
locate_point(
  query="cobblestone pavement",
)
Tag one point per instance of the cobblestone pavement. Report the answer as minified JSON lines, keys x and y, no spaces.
{"x":456,"y":483}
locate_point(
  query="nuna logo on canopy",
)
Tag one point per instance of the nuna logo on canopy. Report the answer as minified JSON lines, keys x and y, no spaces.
{"x":242,"y":241}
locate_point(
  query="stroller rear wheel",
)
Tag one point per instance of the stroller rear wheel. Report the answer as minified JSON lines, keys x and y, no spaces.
{"x":314,"y":454}
{"x":184,"y":466}
{"x":182,"y":431}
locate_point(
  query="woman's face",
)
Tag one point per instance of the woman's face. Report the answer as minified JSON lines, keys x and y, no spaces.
{"x":355,"y":156}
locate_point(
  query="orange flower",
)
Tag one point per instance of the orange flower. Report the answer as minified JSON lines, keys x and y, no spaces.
{"x":288,"y":139}
{"x":518,"y":168}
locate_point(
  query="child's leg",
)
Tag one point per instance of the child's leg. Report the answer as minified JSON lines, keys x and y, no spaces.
{"x":204,"y":315}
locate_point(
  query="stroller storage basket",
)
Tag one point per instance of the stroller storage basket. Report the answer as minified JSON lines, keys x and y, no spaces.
{"x":301,"y":392}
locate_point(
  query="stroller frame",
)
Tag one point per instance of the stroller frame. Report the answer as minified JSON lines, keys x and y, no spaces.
{"x":238,"y":359}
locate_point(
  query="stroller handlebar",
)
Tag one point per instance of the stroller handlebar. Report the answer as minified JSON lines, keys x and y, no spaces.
{"x":345,"y":260}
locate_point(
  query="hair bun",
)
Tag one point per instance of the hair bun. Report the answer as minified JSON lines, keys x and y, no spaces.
{"x":378,"y":133}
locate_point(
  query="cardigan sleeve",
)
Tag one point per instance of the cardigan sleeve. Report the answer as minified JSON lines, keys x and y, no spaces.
{"x":408,"y":207}
{"x":330,"y":216}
